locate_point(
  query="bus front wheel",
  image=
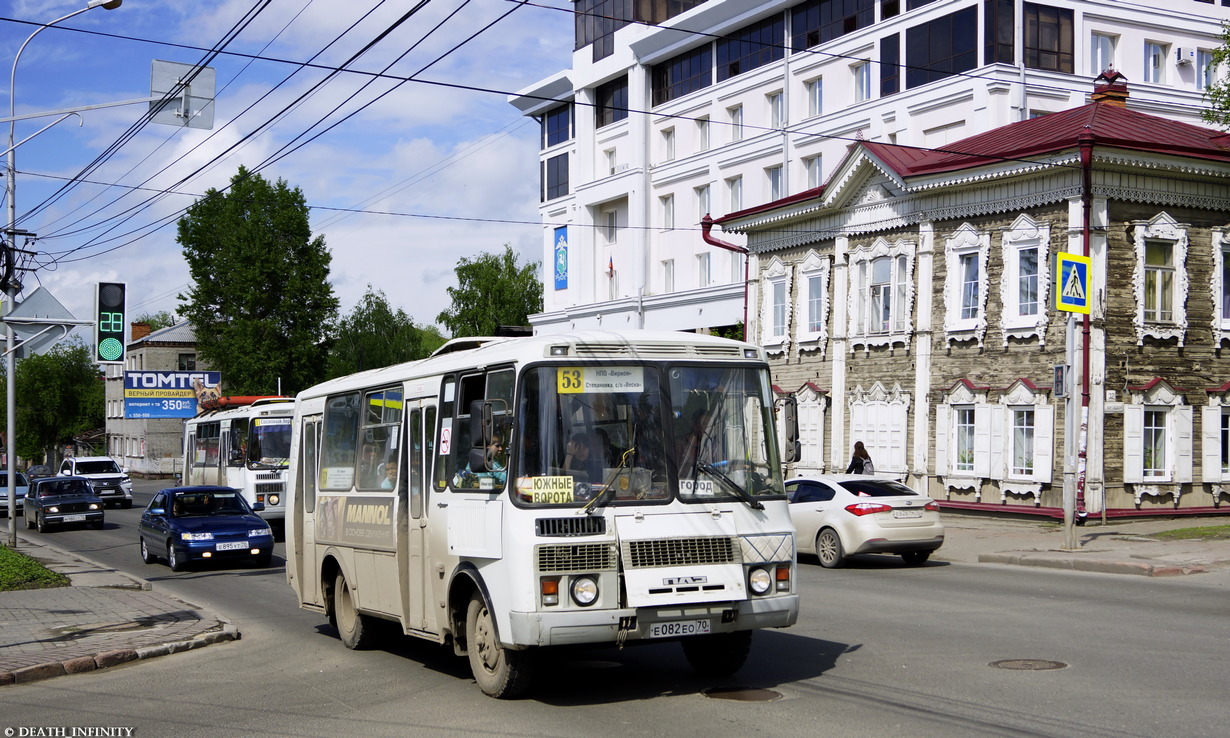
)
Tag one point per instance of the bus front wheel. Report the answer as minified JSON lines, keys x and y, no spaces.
{"x":500,"y":672}
{"x":719,"y":654}
{"x":356,"y":630}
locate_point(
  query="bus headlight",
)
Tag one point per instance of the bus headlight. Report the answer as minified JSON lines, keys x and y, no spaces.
{"x":274,"y":499}
{"x":584,"y":591}
{"x":760,"y":580}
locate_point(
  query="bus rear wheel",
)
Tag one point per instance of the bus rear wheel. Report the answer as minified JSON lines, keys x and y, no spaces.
{"x":719,"y":654}
{"x":356,"y":630}
{"x":500,"y":672}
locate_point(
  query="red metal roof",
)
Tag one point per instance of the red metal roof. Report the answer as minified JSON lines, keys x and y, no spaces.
{"x":1108,"y":125}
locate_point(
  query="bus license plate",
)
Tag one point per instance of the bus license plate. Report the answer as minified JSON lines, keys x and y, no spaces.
{"x":74,"y":518}
{"x":231,"y":546}
{"x":678,"y":628}
{"x":907,"y":513}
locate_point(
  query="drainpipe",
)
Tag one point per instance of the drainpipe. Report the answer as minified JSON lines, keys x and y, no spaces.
{"x":1086,"y":153}
{"x":706,"y":224}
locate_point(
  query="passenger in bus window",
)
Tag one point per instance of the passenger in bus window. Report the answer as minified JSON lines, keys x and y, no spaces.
{"x":468,"y":478}
{"x":390,"y":474}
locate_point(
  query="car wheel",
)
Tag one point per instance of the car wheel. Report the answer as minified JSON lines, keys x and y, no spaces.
{"x":146,"y":555}
{"x":41,"y":523}
{"x":356,"y":630}
{"x":829,"y":549}
{"x":916,"y":558}
{"x":173,"y":558}
{"x":500,"y":672}
{"x":719,"y":654}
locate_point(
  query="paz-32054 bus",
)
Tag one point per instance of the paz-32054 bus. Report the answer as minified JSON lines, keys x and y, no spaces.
{"x":510,"y":494}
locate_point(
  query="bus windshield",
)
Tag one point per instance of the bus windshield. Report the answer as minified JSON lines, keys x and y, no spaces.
{"x":615,"y":434}
{"x":269,"y":443}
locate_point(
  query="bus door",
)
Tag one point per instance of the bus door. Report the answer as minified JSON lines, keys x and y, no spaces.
{"x":420,"y":588}
{"x":304,"y":513}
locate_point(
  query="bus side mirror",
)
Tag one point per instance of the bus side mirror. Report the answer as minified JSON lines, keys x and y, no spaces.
{"x":790,"y":426}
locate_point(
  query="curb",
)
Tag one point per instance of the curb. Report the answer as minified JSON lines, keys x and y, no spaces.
{"x":1075,"y":562}
{"x":106,"y":659}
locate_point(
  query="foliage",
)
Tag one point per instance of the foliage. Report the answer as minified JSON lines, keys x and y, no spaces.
{"x":18,"y":571}
{"x":492,"y":290}
{"x":157,"y":321}
{"x":373,"y":335}
{"x":60,"y":394}
{"x":1218,"y":92}
{"x":261,"y":302}
{"x":1200,"y":533}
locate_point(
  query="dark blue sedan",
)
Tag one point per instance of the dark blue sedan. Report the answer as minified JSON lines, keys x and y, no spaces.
{"x":186,"y":524}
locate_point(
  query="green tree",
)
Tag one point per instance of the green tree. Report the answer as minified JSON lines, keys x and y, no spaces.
{"x":60,"y":394}
{"x":1218,"y":92}
{"x":261,"y":303}
{"x":492,"y":290}
{"x":157,"y":321}
{"x":374,"y":335}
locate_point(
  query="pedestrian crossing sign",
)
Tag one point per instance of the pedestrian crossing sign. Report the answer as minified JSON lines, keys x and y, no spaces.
{"x":1072,"y":292}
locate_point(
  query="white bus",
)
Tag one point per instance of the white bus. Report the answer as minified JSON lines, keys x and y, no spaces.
{"x":243,"y":443}
{"x":452,"y":497}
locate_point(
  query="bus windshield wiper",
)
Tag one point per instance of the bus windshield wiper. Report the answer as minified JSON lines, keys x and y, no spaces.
{"x":739,"y":491}
{"x":608,"y":489}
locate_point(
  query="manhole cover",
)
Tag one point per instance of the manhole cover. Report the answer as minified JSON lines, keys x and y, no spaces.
{"x":742,"y":694}
{"x":1029,"y":664}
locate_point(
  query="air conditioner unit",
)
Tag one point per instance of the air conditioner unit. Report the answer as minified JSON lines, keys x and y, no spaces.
{"x":1185,"y":55}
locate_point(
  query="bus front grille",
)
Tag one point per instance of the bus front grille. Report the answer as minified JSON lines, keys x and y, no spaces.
{"x":676,"y":551}
{"x":578,"y":557}
{"x":562,"y":527}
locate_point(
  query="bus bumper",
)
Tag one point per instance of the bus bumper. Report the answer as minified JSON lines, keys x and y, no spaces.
{"x":564,"y":627}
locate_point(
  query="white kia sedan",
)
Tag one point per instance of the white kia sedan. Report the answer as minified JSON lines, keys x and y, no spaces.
{"x":839,"y":515}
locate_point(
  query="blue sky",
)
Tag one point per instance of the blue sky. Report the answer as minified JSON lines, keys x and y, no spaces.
{"x":434,"y":167}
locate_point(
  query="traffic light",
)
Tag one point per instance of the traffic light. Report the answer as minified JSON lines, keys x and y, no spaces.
{"x":109,"y":345}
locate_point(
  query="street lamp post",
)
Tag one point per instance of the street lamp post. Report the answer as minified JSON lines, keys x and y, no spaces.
{"x":11,"y":234}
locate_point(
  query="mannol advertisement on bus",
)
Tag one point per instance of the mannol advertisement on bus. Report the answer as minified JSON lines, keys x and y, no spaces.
{"x":153,"y":394}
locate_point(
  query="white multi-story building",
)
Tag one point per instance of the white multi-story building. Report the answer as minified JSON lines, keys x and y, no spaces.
{"x":677,"y":108}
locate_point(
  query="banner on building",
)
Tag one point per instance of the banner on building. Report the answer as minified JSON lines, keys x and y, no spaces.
{"x":169,"y":394}
{"x":561,"y":258}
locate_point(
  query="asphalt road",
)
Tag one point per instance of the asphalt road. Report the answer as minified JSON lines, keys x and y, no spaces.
{"x":881,"y":649}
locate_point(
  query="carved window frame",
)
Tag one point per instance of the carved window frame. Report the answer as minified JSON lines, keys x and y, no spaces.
{"x":959,"y":396}
{"x":858,"y":301}
{"x":1025,"y":233}
{"x":879,"y":417}
{"x":1219,"y":286}
{"x":965,"y":241}
{"x":1023,"y":396}
{"x":1161,"y":227}
{"x":1158,"y":396}
{"x":816,"y":267}
{"x":777,"y":274}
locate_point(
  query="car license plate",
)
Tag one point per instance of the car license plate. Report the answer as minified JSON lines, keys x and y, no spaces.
{"x":907,"y":513}
{"x":231,"y":545}
{"x":678,"y":628}
{"x":74,"y":518}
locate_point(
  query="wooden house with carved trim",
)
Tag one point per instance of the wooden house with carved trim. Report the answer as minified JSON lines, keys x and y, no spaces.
{"x":913,"y":303}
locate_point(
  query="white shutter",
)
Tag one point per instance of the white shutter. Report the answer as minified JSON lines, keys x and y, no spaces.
{"x":1210,"y":436}
{"x":1182,"y":425}
{"x":982,"y":440}
{"x":1044,"y":443}
{"x":943,"y":426}
{"x":999,"y":445}
{"x":1133,"y":443}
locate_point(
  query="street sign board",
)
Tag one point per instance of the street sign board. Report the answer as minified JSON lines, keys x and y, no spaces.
{"x":1072,"y":290}
{"x":185,"y":92}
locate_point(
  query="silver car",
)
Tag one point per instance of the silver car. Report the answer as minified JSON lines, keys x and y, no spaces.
{"x":839,"y":515}
{"x":20,"y":487}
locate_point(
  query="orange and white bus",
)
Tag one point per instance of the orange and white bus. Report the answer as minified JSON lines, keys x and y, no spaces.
{"x":452,"y":497}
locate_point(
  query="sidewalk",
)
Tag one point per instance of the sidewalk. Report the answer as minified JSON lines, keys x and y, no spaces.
{"x":1118,"y":547}
{"x":105,"y":618}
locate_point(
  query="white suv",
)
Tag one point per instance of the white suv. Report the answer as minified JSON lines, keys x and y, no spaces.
{"x":109,"y":480}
